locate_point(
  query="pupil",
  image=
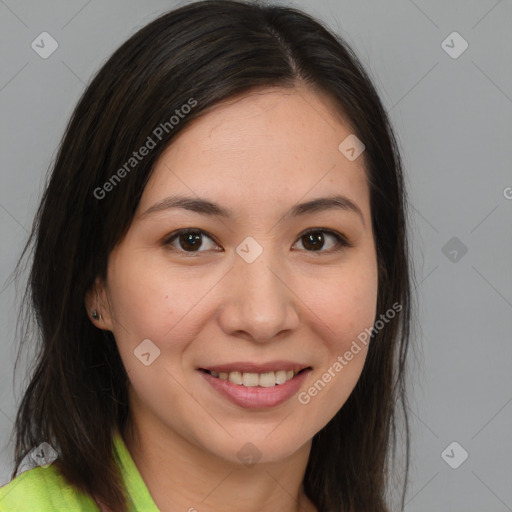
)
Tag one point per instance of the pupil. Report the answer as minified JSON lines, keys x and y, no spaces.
{"x":190,"y":241}
{"x":314,"y":240}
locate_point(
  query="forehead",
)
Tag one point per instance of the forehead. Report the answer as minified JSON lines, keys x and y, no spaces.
{"x":265,"y":147}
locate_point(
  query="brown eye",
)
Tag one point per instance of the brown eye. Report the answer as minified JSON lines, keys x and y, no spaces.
{"x":316,"y":240}
{"x":189,"y":240}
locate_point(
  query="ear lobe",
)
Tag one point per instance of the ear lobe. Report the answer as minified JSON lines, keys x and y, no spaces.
{"x":97,"y":305}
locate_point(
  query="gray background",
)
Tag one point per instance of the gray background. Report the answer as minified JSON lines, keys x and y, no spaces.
{"x":453,"y":118}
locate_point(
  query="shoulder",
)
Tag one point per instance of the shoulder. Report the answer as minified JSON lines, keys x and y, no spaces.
{"x":43,"y":489}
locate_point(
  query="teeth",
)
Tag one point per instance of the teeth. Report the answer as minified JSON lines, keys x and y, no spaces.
{"x":235,"y":377}
{"x":281,"y":376}
{"x":266,"y":380}
{"x":249,"y":379}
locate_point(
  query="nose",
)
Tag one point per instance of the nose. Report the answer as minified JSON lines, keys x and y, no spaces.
{"x":259,"y":302}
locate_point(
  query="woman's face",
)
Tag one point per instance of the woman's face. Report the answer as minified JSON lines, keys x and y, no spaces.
{"x":249,"y":292}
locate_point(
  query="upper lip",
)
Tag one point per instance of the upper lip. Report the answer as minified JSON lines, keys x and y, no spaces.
{"x":256,"y":367}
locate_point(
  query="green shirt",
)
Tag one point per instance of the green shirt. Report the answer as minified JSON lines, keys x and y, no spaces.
{"x":43,"y":489}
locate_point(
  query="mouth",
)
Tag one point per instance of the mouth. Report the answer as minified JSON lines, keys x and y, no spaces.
{"x":253,"y":379}
{"x":256,"y":390}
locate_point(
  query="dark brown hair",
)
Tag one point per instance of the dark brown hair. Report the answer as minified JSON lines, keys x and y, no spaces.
{"x":209,"y":51}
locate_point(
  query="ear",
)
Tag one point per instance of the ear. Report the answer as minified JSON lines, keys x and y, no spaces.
{"x":96,"y":299}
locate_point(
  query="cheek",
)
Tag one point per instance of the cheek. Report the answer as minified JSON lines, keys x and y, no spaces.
{"x":150,"y":310}
{"x":345,"y":304}
{"x":345,"y":308}
{"x":149,"y":301}
{"x":346,"y":347}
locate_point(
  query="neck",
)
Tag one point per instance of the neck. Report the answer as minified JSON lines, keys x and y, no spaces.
{"x":182,"y":476}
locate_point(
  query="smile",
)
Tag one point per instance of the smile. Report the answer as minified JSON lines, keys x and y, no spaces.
{"x":253,"y":390}
{"x":251,"y":379}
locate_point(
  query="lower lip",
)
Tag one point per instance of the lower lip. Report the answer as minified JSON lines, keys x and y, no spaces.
{"x":256,"y":397}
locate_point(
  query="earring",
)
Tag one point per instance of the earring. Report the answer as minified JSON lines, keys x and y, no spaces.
{"x":95,"y":315}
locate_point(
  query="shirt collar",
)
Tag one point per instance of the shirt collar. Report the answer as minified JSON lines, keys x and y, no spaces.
{"x":137,"y":492}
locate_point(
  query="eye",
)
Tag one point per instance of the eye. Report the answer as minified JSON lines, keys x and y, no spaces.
{"x":190,"y":240}
{"x":314,"y":240}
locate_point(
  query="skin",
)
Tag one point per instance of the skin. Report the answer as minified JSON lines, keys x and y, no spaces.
{"x":259,"y":155}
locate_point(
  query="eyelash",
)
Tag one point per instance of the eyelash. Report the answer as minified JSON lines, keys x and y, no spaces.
{"x":341,"y":241}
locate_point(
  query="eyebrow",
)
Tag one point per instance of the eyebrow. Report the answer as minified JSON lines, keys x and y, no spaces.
{"x":206,"y":207}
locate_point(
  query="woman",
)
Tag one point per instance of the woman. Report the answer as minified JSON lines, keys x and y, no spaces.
{"x":220,"y":278}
